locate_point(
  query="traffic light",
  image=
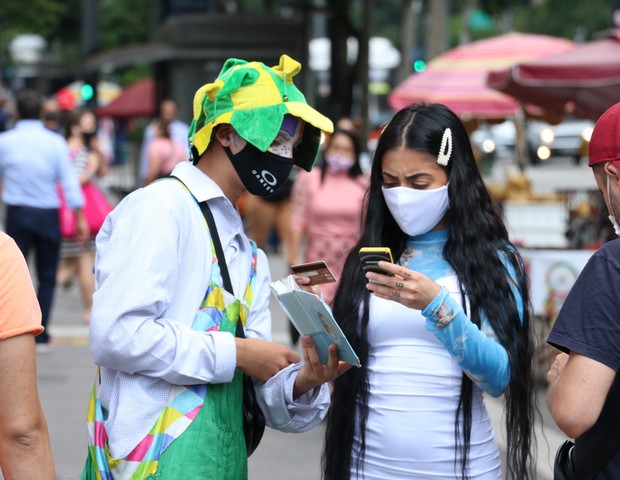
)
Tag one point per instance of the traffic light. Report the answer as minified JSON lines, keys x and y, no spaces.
{"x":419,"y":65}
{"x":86,"y":92}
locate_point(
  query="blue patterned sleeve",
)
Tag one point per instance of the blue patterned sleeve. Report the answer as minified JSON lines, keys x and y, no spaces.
{"x":477,"y":351}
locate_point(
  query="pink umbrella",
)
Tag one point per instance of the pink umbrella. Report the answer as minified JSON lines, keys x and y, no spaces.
{"x":458,"y":77}
{"x":585,"y":80}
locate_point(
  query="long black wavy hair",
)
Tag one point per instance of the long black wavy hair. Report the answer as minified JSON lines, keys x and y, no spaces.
{"x":477,"y":243}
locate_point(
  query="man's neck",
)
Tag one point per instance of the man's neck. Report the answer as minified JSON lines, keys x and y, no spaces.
{"x":217,"y":166}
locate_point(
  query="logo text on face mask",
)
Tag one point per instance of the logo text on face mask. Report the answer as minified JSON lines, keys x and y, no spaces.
{"x":266,"y":179}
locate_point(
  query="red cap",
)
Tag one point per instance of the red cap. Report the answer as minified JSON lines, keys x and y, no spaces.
{"x":605,"y":141}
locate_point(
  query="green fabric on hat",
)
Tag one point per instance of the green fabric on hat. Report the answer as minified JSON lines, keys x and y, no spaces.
{"x":254,"y":98}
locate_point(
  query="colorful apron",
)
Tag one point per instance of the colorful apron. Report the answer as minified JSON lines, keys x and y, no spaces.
{"x":187,"y":441}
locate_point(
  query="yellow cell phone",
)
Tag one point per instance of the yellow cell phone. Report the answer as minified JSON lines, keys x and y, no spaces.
{"x":371,"y":256}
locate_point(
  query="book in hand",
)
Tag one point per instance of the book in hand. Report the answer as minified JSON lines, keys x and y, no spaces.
{"x":311,"y":316}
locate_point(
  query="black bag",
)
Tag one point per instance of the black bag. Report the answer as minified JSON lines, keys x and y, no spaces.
{"x":253,"y":417}
{"x":563,"y":468}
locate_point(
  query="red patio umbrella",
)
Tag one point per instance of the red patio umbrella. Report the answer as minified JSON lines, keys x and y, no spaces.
{"x":585,"y":80}
{"x":458,"y":77}
{"x":136,"y":100}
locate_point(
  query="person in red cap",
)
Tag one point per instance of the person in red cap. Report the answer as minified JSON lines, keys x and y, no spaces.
{"x":583,"y":396}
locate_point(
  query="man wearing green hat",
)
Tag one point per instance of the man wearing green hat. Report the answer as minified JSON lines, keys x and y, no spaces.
{"x":167,"y":400}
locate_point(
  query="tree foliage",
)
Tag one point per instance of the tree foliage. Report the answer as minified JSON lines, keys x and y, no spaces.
{"x":579,"y":20}
{"x":41,"y":17}
{"x":125,"y":22}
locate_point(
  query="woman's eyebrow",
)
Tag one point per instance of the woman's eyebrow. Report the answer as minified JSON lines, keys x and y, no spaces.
{"x":407,"y":177}
{"x":417,"y":175}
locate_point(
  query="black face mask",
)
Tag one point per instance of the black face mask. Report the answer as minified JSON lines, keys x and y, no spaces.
{"x":262,"y":173}
{"x":88,"y":137}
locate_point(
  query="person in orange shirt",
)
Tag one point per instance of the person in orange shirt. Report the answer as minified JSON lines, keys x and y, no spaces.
{"x":25,"y":450}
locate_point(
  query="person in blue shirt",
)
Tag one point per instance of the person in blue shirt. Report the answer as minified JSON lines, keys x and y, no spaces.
{"x":33,"y":160}
{"x":445,"y":323}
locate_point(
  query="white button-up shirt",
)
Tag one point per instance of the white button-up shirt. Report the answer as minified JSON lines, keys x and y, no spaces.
{"x":152,"y":268}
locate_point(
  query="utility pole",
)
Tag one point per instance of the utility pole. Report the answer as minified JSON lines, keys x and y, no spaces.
{"x":338,"y":28}
{"x":409,"y":19}
{"x":436,"y":38}
{"x":363,"y":65}
{"x":89,"y":26}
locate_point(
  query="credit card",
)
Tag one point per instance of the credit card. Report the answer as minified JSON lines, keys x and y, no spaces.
{"x":317,"y":272}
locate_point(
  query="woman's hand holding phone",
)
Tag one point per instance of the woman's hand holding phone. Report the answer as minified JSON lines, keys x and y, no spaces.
{"x":399,"y":284}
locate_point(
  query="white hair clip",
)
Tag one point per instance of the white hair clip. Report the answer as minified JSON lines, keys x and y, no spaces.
{"x":446,"y":148}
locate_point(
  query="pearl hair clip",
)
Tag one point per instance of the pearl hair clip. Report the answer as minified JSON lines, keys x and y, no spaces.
{"x":446,"y":148}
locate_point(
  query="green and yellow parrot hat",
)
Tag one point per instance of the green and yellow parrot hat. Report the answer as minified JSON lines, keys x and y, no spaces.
{"x":254,"y":98}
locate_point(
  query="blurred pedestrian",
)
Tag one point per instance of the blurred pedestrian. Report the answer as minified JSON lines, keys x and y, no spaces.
{"x":583,"y":395}
{"x":78,"y":258}
{"x":445,"y":323}
{"x":168,"y":400}
{"x":327,"y":208}
{"x":163,"y":152}
{"x":6,"y":108}
{"x":52,"y":115}
{"x":24,"y":440}
{"x":168,"y":111}
{"x":32,"y":161}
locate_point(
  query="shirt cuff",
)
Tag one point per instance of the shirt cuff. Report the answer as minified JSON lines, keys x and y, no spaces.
{"x":438,"y":311}
{"x":225,"y":356}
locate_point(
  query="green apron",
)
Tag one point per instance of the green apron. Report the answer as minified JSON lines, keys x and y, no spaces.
{"x":199,"y":434}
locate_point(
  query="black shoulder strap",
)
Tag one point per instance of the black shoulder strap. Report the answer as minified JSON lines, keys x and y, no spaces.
{"x":221,"y":259}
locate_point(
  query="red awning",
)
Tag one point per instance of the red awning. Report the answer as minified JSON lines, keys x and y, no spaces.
{"x":136,"y":100}
{"x":458,"y":77}
{"x":584,"y":81}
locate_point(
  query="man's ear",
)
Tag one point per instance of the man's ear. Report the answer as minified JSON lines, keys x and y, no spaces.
{"x":225,"y":134}
{"x":612,"y":170}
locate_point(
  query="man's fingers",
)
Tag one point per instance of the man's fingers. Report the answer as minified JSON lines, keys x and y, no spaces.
{"x":293,"y":357}
{"x":310,"y":354}
{"x":343,"y":367}
{"x":332,"y":360}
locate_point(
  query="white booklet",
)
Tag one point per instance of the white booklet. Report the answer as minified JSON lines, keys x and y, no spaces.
{"x":311,"y":316}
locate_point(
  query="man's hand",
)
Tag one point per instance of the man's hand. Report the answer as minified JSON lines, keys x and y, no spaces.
{"x":262,"y":359}
{"x":304,"y":281}
{"x":314,"y":373}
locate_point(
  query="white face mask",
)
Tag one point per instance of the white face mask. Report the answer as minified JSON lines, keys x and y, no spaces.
{"x":612,"y":217}
{"x":338,"y":163}
{"x":416,"y":211}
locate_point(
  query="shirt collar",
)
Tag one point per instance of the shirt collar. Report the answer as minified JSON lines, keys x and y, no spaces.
{"x":28,"y":123}
{"x":200,"y":184}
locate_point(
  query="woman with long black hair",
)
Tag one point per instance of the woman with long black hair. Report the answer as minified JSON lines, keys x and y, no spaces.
{"x":449,"y":320}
